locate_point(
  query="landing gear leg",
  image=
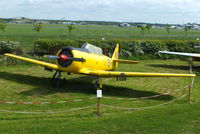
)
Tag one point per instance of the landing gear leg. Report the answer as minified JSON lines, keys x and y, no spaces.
{"x":56,"y":80}
{"x":99,"y":95}
{"x":98,"y":84}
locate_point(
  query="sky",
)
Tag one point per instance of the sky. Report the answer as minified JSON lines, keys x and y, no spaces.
{"x":149,"y":11}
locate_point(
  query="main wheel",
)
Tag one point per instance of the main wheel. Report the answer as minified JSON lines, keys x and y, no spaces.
{"x":56,"y":82}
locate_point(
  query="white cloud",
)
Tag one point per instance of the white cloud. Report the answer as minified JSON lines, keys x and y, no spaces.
{"x":167,"y":11}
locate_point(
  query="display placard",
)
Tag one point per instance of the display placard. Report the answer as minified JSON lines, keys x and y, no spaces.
{"x":99,"y":93}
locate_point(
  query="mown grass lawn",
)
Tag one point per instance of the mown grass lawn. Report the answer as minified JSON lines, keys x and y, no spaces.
{"x":31,"y":83}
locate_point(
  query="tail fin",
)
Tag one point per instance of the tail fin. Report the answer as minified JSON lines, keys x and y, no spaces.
{"x":116,"y":52}
{"x":115,"y":56}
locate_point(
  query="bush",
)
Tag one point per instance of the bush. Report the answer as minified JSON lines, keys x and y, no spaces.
{"x":9,"y":47}
{"x":133,"y":48}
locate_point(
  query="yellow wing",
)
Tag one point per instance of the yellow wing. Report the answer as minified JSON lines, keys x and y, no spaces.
{"x":131,"y":74}
{"x":45,"y":64}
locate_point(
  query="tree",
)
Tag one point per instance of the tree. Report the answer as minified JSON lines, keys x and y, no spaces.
{"x":186,"y":29}
{"x":148,"y":27}
{"x":143,"y":29}
{"x":168,"y":28}
{"x":2,"y":25}
{"x":70,"y":28}
{"x":37,"y":26}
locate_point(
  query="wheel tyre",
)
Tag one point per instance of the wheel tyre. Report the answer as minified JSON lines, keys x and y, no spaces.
{"x":56,"y":82}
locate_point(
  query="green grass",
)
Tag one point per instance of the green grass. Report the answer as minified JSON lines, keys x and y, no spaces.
{"x":31,"y":83}
{"x":26,"y":35}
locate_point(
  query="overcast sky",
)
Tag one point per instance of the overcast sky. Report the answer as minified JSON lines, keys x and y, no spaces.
{"x":153,"y":11}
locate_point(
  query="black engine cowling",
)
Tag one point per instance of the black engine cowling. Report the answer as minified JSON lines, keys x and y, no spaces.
{"x":67,"y":52}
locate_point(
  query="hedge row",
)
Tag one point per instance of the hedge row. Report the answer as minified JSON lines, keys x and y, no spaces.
{"x":128,"y":48}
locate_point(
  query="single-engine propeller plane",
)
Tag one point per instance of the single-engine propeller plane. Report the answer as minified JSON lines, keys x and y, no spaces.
{"x":89,"y":60}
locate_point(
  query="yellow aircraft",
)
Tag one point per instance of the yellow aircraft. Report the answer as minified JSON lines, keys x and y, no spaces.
{"x":89,"y":60}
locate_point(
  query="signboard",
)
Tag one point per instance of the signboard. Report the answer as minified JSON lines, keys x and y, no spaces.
{"x":99,"y":93}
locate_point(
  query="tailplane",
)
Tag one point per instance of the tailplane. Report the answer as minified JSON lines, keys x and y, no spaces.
{"x":116,"y":60}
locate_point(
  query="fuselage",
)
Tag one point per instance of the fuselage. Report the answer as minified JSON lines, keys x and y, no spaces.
{"x":92,"y":61}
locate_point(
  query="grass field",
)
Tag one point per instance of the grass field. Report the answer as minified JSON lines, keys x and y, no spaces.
{"x":26,"y":35}
{"x":31,"y":83}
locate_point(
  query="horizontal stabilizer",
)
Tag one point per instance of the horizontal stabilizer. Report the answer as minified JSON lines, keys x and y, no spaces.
{"x":126,"y":61}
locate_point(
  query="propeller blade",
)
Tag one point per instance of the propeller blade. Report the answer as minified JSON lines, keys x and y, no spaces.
{"x":51,"y":57}
{"x":63,"y":57}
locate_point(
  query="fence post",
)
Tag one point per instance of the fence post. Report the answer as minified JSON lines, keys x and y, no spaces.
{"x":99,"y":96}
{"x":190,"y":92}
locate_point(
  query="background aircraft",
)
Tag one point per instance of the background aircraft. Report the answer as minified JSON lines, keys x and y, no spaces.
{"x":89,"y":60}
{"x":195,"y":56}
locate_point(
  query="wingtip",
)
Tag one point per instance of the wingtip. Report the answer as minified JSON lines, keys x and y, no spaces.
{"x":5,"y":54}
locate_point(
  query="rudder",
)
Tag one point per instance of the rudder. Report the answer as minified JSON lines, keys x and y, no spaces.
{"x":115,"y":56}
{"x":116,"y":52}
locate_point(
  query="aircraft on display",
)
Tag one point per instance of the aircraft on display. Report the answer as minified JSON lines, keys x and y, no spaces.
{"x":89,"y":60}
{"x":195,"y":56}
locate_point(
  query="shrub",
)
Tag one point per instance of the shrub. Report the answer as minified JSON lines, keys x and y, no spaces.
{"x":9,"y":47}
{"x":134,"y":48}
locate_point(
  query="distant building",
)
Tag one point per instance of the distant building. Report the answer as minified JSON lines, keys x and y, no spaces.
{"x":195,"y":27}
{"x":154,"y":26}
{"x":192,"y":26}
{"x":176,"y":27}
{"x":124,"y":24}
{"x":21,"y":20}
{"x":43,"y":22}
{"x":69,"y":23}
{"x":83,"y":23}
{"x":141,"y":25}
{"x":173,"y":27}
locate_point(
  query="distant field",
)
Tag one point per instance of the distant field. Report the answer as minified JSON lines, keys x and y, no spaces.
{"x":26,"y":35}
{"x":31,"y":83}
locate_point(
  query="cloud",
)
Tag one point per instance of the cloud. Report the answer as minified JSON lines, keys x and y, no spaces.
{"x":167,"y":11}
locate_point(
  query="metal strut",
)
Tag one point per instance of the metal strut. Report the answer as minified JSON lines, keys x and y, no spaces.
{"x":56,"y":80}
{"x":98,"y":84}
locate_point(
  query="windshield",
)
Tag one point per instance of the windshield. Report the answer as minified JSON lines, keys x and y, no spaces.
{"x":92,"y":49}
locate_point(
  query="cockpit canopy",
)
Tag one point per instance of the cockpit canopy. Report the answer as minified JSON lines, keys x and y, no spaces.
{"x":92,"y":49}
